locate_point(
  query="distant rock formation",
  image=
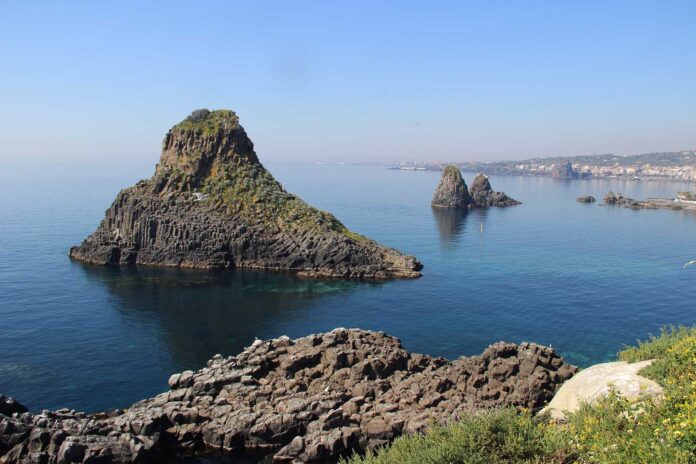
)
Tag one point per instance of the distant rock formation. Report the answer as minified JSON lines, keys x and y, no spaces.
{"x":612,"y":198}
{"x":678,"y":203}
{"x":586,"y":199}
{"x":564,"y":171}
{"x":452,"y":192}
{"x":484,"y":196}
{"x":211,"y":204}
{"x":313,"y":399}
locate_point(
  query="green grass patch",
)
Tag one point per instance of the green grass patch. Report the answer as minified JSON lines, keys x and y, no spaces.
{"x":614,"y":431}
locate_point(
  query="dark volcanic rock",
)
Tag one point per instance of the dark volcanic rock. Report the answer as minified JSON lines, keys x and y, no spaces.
{"x":612,"y":198}
{"x":313,"y":399}
{"x":451,"y":192}
{"x":483,"y":194}
{"x":585,"y":199}
{"x":564,"y":171}
{"x":211,"y":204}
{"x":9,"y":406}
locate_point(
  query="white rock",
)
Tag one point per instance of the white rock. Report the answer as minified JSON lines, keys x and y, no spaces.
{"x":596,"y":381}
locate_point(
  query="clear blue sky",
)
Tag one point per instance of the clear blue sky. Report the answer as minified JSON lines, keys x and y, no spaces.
{"x":351,"y":81}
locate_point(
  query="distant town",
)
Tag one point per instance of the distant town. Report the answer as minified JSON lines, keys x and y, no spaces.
{"x":679,"y":166}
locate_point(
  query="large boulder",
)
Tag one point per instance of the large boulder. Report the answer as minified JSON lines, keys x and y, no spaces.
{"x":595,"y":382}
{"x":211,"y":205}
{"x":313,"y":399}
{"x":451,"y":192}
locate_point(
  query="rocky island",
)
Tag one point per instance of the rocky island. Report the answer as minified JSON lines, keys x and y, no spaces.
{"x":452,"y":192}
{"x":313,"y":399}
{"x":684,"y":201}
{"x":212,"y":205}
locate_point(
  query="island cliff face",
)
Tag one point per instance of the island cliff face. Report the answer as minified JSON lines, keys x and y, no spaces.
{"x":452,"y":192}
{"x":212,"y":205}
{"x":313,"y":399}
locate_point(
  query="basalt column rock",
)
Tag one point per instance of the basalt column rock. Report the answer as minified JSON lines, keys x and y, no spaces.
{"x":484,"y":196}
{"x":313,"y":399}
{"x":211,"y":204}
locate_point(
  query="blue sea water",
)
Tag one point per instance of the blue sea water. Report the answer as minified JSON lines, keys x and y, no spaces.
{"x":585,"y":278}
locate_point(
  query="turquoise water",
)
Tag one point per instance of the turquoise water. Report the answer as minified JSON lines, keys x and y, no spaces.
{"x":586,"y":279}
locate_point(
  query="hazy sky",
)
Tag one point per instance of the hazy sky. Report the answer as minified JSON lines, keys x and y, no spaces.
{"x":350,"y":80}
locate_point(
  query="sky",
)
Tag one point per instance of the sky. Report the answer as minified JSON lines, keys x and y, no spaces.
{"x":349,"y":81}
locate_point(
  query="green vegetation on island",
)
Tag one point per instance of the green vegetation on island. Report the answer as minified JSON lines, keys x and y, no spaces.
{"x":613,"y":431}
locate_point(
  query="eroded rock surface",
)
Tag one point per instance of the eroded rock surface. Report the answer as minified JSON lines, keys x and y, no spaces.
{"x":211,"y":204}
{"x":313,"y":399}
{"x":452,"y":192}
{"x":484,"y":196}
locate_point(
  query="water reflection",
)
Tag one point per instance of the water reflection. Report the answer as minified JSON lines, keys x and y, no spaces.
{"x":451,"y":223}
{"x":201,"y":313}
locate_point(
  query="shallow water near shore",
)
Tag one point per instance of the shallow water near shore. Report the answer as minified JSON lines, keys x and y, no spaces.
{"x":584,"y":278}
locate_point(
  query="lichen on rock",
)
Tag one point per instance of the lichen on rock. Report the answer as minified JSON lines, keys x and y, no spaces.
{"x":211,"y":204}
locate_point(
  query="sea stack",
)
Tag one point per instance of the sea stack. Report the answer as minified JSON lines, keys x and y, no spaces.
{"x":451,"y":192}
{"x":212,"y":205}
{"x":484,"y":196}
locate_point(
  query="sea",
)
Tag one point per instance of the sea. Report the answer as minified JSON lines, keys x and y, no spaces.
{"x":586,"y":279}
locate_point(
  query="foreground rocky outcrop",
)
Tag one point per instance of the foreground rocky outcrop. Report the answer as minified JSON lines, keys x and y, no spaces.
{"x":452,"y":192}
{"x":313,"y":399}
{"x":211,"y":204}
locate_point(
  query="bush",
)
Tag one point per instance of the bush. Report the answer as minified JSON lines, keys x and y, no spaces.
{"x":613,"y":431}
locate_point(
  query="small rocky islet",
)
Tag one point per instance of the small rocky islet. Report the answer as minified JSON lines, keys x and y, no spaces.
{"x":452,"y":192}
{"x":683,"y":201}
{"x":212,"y":205}
{"x":312,"y":399}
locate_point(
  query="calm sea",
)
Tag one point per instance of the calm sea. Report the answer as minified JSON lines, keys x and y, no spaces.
{"x":586,"y":279}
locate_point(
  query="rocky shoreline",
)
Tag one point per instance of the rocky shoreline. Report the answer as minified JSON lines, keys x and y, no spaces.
{"x":313,"y":399}
{"x":212,"y":205}
{"x":617,"y":199}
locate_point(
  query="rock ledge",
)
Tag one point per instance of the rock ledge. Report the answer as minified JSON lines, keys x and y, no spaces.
{"x":312,"y":399}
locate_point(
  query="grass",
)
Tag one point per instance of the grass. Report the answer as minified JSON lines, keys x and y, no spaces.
{"x":249,"y":190}
{"x":613,"y":431}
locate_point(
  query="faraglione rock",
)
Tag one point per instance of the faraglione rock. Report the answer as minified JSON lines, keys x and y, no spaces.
{"x":452,"y":192}
{"x":585,"y":199}
{"x":313,"y":399}
{"x":484,"y":196}
{"x":212,"y":205}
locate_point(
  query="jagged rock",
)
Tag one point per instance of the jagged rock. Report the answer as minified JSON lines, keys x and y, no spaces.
{"x":484,"y":196}
{"x":586,"y":199}
{"x":9,"y":406}
{"x":312,"y":399}
{"x":451,"y":192}
{"x":564,"y":171}
{"x":211,"y":204}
